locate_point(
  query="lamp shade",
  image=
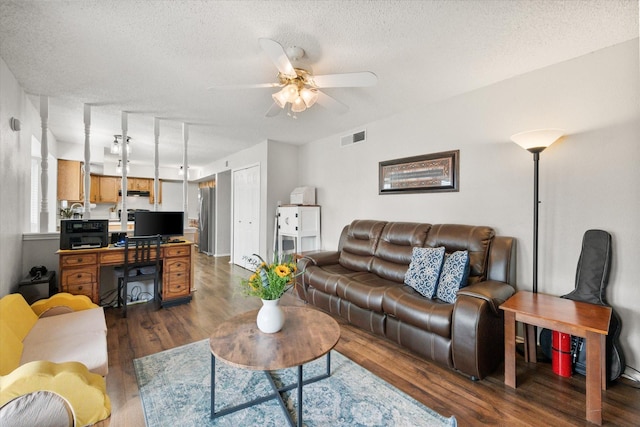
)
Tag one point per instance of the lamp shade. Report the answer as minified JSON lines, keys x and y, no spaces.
{"x":537,"y":140}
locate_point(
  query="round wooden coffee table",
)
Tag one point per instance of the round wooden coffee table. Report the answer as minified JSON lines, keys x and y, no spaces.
{"x":307,"y":334}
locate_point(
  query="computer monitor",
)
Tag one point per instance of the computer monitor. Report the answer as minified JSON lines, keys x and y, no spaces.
{"x":150,"y":223}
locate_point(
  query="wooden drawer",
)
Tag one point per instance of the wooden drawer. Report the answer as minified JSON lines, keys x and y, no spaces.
{"x":176,"y":265}
{"x":114,"y":258}
{"x":177,"y":285}
{"x":79,"y":276}
{"x":78,"y":259}
{"x":174,"y":251}
{"x":86,"y":289}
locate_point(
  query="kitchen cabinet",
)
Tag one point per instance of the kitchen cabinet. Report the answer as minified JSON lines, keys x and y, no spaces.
{"x":95,"y":189}
{"x":70,"y":181}
{"x":109,"y":187}
{"x":139,"y":184}
{"x":104,"y":189}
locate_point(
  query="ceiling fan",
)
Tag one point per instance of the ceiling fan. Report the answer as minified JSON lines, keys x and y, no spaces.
{"x":299,"y":88}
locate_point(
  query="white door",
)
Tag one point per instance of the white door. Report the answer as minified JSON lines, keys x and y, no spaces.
{"x":246,"y":214}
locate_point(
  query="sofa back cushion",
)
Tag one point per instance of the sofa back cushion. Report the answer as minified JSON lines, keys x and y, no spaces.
{"x":360,"y":244}
{"x":17,"y":315}
{"x":393,"y":254}
{"x":474,"y":239}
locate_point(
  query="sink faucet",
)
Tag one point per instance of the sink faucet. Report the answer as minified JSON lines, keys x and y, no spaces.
{"x":77,"y":209}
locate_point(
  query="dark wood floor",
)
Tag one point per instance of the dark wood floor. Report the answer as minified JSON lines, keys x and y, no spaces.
{"x":541,"y":399}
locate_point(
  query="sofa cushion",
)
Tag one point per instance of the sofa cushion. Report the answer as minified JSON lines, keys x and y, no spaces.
{"x":456,"y":237}
{"x":454,"y":275}
{"x":360,"y":244}
{"x":407,"y":305}
{"x":89,"y":348}
{"x":80,"y":336}
{"x":364,"y":290}
{"x":325,"y":278}
{"x":393,"y":254}
{"x":424,"y":270}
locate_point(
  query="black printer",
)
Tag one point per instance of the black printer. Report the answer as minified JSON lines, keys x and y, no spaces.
{"x":84,"y":233}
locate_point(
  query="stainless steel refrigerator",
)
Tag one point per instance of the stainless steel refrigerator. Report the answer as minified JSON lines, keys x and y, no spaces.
{"x":206,"y":220}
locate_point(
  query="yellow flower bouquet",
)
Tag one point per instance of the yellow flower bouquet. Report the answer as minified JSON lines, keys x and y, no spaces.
{"x":270,"y":281}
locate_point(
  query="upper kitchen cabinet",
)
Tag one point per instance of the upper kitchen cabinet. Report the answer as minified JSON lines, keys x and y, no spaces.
{"x":70,"y":177}
{"x":104,"y":189}
{"x":139,"y":184}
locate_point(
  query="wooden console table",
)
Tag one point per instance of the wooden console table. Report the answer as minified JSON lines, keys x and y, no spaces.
{"x":80,"y":271}
{"x":589,"y":321}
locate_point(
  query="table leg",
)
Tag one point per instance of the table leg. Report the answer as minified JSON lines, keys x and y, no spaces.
{"x":530,"y":343}
{"x":300,"y":396}
{"x":595,"y":367}
{"x":510,"y":349}
{"x":213,"y":385}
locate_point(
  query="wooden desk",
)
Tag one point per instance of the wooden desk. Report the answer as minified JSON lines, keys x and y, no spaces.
{"x":589,"y":321}
{"x":80,"y":271}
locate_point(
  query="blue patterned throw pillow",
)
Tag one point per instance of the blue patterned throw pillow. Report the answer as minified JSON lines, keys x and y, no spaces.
{"x":424,"y":270}
{"x":454,"y":275}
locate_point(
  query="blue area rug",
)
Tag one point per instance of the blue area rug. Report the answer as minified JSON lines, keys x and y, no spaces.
{"x":175,"y":387}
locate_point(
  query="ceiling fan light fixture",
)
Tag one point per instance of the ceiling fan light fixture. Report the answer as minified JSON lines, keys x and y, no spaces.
{"x":291,"y":92}
{"x":280,"y":98}
{"x":309,"y":96}
{"x":298,"y":105}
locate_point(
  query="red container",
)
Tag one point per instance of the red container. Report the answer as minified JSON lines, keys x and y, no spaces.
{"x":561,"y":354}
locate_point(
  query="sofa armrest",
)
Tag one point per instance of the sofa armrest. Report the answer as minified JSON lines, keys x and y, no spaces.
{"x":85,"y":391}
{"x":68,"y":302}
{"x":319,"y":258}
{"x":477,"y":334}
{"x":494,"y":293}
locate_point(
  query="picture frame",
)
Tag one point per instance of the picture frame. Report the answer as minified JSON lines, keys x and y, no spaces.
{"x":429,"y":173}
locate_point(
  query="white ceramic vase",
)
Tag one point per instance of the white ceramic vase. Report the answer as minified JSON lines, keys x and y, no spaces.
{"x":270,"y":317}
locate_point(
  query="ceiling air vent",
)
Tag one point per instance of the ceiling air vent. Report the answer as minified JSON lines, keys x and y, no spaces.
{"x":353,"y":139}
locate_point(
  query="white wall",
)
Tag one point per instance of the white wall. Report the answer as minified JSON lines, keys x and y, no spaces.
{"x":282,"y":172}
{"x":223,"y":214}
{"x":588,"y":179}
{"x":15,"y":175}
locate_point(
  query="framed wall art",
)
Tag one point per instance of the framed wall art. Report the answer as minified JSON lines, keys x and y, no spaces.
{"x":436,"y":172}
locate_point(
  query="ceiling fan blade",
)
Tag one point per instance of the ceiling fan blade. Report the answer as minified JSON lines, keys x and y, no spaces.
{"x":243,"y":86}
{"x":331,"y":103}
{"x":276,"y":53}
{"x":359,"y":79}
{"x":273,"y":111}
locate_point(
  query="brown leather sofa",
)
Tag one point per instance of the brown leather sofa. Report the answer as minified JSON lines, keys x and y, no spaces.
{"x":363,"y":282}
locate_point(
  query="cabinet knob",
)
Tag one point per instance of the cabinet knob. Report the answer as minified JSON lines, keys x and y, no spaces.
{"x":79,"y":275}
{"x":79,"y":259}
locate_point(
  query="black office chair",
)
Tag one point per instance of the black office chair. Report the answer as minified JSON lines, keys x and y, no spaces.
{"x":141,"y":262}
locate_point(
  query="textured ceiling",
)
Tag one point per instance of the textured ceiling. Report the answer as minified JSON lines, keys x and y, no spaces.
{"x":157,"y":59}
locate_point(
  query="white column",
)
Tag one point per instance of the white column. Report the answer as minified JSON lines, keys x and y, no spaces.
{"x":125,"y":159}
{"x":87,"y":161}
{"x":156,"y":164}
{"x":185,"y":177}
{"x":44,"y":163}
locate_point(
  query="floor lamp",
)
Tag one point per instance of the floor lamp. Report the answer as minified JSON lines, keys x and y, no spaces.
{"x":536,"y":141}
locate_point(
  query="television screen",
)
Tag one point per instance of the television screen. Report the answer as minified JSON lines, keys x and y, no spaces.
{"x":150,"y":223}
